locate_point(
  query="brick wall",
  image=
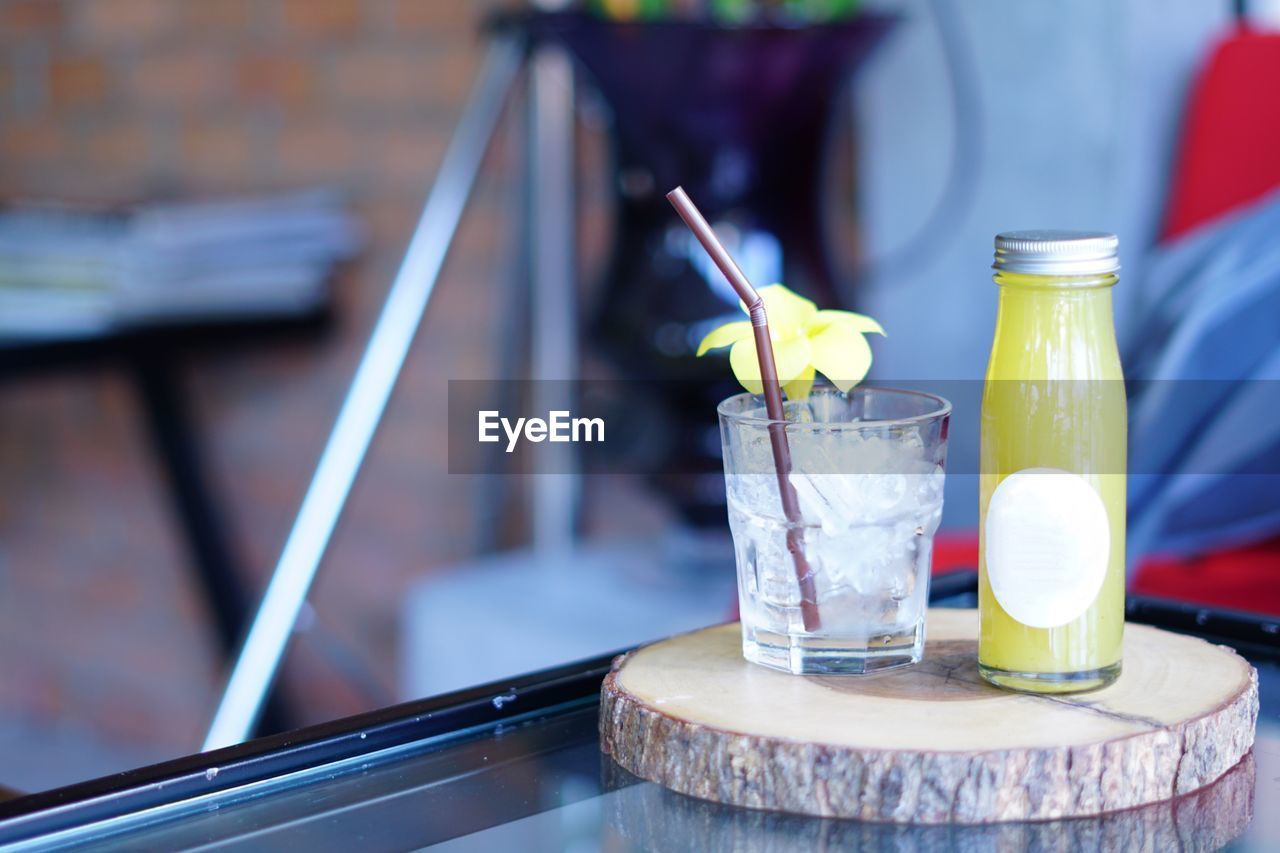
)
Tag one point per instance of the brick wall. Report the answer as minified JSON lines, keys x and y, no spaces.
{"x":110,"y":100}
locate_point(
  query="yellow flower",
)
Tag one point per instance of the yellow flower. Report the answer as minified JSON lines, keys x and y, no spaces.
{"x":806,"y":341}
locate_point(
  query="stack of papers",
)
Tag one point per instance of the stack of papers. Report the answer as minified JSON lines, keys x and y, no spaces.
{"x":67,"y":272}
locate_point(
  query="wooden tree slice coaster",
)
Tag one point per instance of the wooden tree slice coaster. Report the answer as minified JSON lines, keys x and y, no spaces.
{"x":931,"y":743}
{"x":653,"y":818}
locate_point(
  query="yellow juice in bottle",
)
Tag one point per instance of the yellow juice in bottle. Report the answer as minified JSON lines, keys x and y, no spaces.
{"x":1052,"y":501}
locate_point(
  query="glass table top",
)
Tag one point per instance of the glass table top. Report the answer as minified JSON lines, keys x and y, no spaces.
{"x":535,"y":780}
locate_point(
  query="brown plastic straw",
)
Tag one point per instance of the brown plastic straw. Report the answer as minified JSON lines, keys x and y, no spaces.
{"x":772,"y":396}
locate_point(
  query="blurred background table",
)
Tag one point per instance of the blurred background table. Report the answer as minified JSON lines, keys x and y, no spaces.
{"x":153,"y":358}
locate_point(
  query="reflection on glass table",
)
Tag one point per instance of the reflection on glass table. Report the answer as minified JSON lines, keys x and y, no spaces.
{"x":517,"y":766}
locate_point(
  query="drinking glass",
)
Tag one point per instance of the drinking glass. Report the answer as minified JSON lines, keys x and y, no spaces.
{"x":841,"y":583}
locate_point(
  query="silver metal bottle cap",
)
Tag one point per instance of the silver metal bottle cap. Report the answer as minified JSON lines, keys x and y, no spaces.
{"x":1052,"y":252}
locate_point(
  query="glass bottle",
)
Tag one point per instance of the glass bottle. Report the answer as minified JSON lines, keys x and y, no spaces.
{"x":1053,"y":456}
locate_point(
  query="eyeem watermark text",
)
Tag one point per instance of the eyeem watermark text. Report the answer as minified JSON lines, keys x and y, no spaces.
{"x":559,"y":426}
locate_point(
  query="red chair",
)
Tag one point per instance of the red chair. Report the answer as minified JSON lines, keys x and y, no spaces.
{"x":1230,"y":156}
{"x":1230,"y":153}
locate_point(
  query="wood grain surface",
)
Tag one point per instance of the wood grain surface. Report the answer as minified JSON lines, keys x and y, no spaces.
{"x":932,"y":743}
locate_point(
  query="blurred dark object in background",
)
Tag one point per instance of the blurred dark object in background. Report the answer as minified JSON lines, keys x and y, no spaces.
{"x":741,"y":117}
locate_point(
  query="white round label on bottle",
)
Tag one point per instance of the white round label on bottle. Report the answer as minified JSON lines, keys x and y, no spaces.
{"x":1047,"y":546}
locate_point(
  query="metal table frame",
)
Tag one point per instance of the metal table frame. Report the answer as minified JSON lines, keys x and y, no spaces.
{"x":550,"y":248}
